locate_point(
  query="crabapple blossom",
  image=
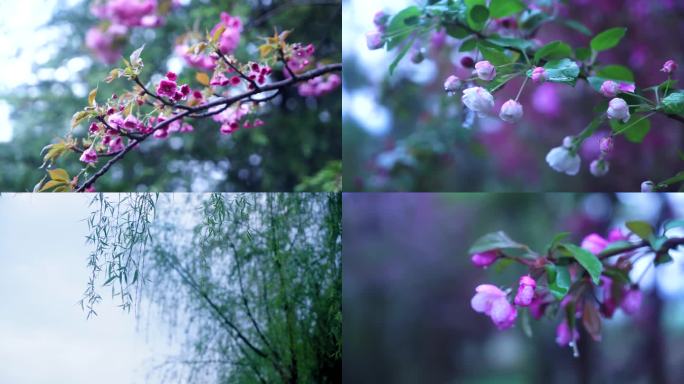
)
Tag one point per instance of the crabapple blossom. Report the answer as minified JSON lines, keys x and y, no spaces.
{"x":374,"y":40}
{"x":599,"y":167}
{"x":230,"y":37}
{"x":618,"y":110}
{"x":539,"y":75}
{"x":631,"y":301}
{"x":511,"y":111}
{"x":452,"y":84}
{"x":484,"y":259}
{"x":167,"y":88}
{"x":106,"y":43}
{"x":89,"y":156}
{"x":594,"y":243}
{"x":669,"y":66}
{"x":319,"y":86}
{"x":609,"y":88}
{"x":526,"y":287}
{"x":563,"y":159}
{"x":647,"y":186}
{"x":478,"y":99}
{"x":606,"y":145}
{"x":564,"y":336}
{"x":492,"y":301}
{"x":485,"y":70}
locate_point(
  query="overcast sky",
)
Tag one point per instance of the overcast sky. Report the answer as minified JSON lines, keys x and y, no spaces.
{"x":44,"y":335}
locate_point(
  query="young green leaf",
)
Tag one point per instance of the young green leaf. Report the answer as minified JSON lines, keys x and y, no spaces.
{"x":674,"y":103}
{"x":607,"y":39}
{"x":493,"y":241}
{"x":553,"y":50}
{"x":560,"y":71}
{"x":640,"y":228}
{"x":503,"y":8}
{"x":586,"y":259}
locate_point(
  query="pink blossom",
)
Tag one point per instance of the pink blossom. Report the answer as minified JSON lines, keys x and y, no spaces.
{"x":627,"y":87}
{"x":452,"y":84}
{"x":609,"y":88}
{"x":539,"y":75}
{"x":374,"y":40}
{"x":631,"y":301}
{"x":106,"y":44}
{"x":669,"y":66}
{"x":511,"y":111}
{"x":563,"y":334}
{"x":618,"y":110}
{"x":320,"y":86}
{"x":594,"y":243}
{"x":616,"y":234}
{"x":301,"y":57}
{"x":484,"y":259}
{"x":115,"y":144}
{"x":485,"y":70}
{"x":526,"y":287}
{"x":167,"y":88}
{"x":492,"y":301}
{"x":130,"y":13}
{"x":200,"y":61}
{"x":230,"y":38}
{"x":606,"y":145}
{"x":89,"y":156}
{"x":171,"y":76}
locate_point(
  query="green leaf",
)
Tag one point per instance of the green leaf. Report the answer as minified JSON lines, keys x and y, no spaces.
{"x":586,"y":259}
{"x":640,"y":228}
{"x":494,"y":55}
{"x":616,"y":246}
{"x":493,"y":241}
{"x":456,"y":31}
{"x":401,"y":26}
{"x":560,"y":71}
{"x":672,"y":224}
{"x":635,"y":129}
{"x":510,"y":42}
{"x":679,"y":177}
{"x":553,"y":50}
{"x":662,"y":258}
{"x":78,"y":118}
{"x":582,"y":53}
{"x":556,"y":240}
{"x":577,"y":26}
{"x":477,"y":17}
{"x":468,"y":44}
{"x":674,"y":103}
{"x":616,"y":72}
{"x":59,"y":174}
{"x":607,"y":39}
{"x":400,"y":56}
{"x":503,"y":8}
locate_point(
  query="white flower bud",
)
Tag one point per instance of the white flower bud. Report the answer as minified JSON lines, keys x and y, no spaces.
{"x":563,"y":160}
{"x":599,"y":167}
{"x":511,"y":111}
{"x":485,"y":70}
{"x":618,"y":109}
{"x":478,"y":99}
{"x":647,"y":186}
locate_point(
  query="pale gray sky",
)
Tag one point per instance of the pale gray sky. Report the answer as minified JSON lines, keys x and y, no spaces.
{"x":44,"y":335}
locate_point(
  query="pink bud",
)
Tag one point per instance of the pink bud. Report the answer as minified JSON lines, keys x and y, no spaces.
{"x":171,"y":76}
{"x":606,"y":145}
{"x":616,"y":234}
{"x":563,"y":334}
{"x":539,"y":75}
{"x":484,"y":259}
{"x":525,"y":291}
{"x":452,"y":84}
{"x":374,"y":40}
{"x":594,"y":243}
{"x":511,"y":111}
{"x":669,"y":66}
{"x":89,"y":156}
{"x":631,"y":302}
{"x":485,"y":70}
{"x":609,"y":88}
{"x":618,"y":109}
{"x":492,"y":301}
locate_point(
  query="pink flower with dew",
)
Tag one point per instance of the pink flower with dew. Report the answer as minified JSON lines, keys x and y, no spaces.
{"x":492,"y":301}
{"x":89,"y":156}
{"x":594,"y":243}
{"x":526,"y":287}
{"x":484,"y":259}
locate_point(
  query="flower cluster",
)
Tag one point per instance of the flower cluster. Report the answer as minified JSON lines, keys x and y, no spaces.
{"x":585,"y":282}
{"x":228,"y":42}
{"x":107,"y":40}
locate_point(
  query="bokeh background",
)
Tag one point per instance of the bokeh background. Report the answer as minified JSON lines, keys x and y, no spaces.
{"x":408,"y":282}
{"x":46,"y":72}
{"x":403,"y":133}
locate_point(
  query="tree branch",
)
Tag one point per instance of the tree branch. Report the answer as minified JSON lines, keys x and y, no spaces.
{"x":221,"y":102}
